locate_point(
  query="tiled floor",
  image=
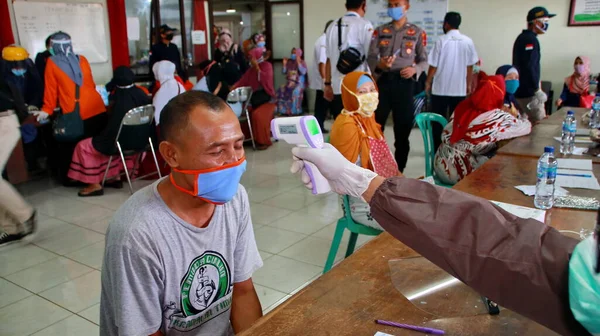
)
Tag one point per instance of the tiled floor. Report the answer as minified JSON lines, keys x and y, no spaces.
{"x":51,"y":284}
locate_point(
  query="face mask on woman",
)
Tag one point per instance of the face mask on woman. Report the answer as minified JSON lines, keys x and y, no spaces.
{"x":261,"y":44}
{"x":512,"y":85}
{"x":584,"y":285}
{"x":476,"y":68}
{"x":19,"y":72}
{"x":579,"y":68}
{"x":367,"y":103}
{"x":293,"y":57}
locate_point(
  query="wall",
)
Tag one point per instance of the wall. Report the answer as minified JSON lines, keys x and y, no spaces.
{"x":493,"y":26}
{"x":102,"y":71}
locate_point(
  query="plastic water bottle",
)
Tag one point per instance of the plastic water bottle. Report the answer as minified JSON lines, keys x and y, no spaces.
{"x":569,"y":130}
{"x":595,"y":117}
{"x":546,"y":176}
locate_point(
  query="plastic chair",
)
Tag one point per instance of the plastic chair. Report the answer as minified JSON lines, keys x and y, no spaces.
{"x":424,"y":121}
{"x":136,"y":127}
{"x":243,"y":95}
{"x":347,"y":223}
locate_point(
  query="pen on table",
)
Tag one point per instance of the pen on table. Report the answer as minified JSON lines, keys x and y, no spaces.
{"x":575,"y":175}
{"x":411,"y":327}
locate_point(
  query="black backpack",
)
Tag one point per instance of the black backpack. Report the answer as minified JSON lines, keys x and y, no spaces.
{"x":350,"y":58}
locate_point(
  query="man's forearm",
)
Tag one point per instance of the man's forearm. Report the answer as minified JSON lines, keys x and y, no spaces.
{"x":245,"y":309}
{"x":328,"y":71}
{"x":322,"y":70}
{"x":430,"y":73}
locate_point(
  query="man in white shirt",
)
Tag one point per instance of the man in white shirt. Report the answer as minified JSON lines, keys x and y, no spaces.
{"x":450,"y":68}
{"x":317,"y":74}
{"x":357,"y":32}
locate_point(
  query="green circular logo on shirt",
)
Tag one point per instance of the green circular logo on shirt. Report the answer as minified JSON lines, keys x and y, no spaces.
{"x":207,"y":280}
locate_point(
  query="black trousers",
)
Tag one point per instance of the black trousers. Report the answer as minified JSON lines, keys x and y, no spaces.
{"x":444,"y":106}
{"x":336,"y":106}
{"x":396,"y":94}
{"x":322,"y":106}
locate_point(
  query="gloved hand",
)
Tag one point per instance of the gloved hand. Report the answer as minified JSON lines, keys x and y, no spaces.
{"x":31,"y":108}
{"x":40,"y":115}
{"x":344,"y":177}
{"x":541,"y":96}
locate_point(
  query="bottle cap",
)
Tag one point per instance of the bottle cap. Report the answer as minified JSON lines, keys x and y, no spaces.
{"x":549,"y":149}
{"x":570,"y":113}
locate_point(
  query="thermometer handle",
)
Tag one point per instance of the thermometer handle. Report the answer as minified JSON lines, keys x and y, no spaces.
{"x":320,"y":185}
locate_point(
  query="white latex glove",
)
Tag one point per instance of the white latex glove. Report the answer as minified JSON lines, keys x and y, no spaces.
{"x":541,"y":96}
{"x":40,"y":115}
{"x":345,"y":177}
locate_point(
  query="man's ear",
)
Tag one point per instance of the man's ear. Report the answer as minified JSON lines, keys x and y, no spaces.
{"x":169,"y":153}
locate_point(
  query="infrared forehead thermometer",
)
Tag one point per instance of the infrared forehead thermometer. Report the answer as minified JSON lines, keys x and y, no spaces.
{"x":303,"y":132}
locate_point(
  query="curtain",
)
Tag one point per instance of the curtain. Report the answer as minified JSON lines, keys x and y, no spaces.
{"x":119,"y":45}
{"x":6,"y":34}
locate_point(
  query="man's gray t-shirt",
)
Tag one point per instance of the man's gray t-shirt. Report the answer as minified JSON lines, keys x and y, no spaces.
{"x":160,"y":272}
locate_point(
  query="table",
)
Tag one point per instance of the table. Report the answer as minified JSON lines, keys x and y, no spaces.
{"x":542,"y":135}
{"x":497,"y":178}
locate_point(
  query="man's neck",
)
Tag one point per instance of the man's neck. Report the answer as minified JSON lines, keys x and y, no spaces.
{"x":400,"y":23}
{"x":167,"y":42}
{"x":189,"y":208}
{"x":532,"y":29}
{"x":451,"y":30}
{"x":355,"y":11}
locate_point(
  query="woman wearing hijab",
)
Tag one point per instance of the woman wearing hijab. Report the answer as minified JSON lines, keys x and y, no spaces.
{"x":164,"y":72}
{"x":472,"y":135}
{"x":577,"y":85}
{"x":359,"y":138}
{"x":66,"y":74}
{"x":511,"y":81}
{"x":260,"y":78}
{"x":91,"y":155}
{"x":291,"y":94}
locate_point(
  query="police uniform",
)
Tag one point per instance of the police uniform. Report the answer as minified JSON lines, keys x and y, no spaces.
{"x":396,"y":93}
{"x":526,"y":59}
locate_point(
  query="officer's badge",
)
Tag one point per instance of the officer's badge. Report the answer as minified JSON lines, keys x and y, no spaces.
{"x":411,"y":32}
{"x":384,"y":43}
{"x":386,"y":31}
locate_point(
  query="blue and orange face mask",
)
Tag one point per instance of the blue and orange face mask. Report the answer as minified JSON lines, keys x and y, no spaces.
{"x":215,"y":185}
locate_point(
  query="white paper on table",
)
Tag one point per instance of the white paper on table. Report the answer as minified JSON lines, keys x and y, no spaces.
{"x":530,"y":191}
{"x":133,"y":28}
{"x":577,"y":140}
{"x":379,"y":333}
{"x":579,"y":150}
{"x":198,"y":37}
{"x":578,"y":180}
{"x":583,"y":132}
{"x":523,"y":212}
{"x":575,"y":164}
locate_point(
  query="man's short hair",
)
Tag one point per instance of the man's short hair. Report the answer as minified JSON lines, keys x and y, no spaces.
{"x":175,"y":115}
{"x":453,"y":19}
{"x":354,"y":4}
{"x":327,"y":25}
{"x":47,"y":43}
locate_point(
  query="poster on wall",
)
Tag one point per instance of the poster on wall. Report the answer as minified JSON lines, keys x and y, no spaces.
{"x":427,"y":14}
{"x":584,"y":13}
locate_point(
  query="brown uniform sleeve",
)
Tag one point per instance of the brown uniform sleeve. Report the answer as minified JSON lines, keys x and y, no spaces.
{"x":520,"y":264}
{"x":421,"y":54}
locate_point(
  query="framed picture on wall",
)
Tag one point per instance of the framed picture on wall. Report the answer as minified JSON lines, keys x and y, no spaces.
{"x":584,"y":13}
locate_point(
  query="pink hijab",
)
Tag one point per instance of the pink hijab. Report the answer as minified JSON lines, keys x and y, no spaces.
{"x":579,"y":83}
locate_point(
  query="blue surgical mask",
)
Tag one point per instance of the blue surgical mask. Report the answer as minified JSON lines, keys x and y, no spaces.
{"x":512,"y":85}
{"x":476,"y":68}
{"x":293,"y":57}
{"x":215,"y":185}
{"x":51,"y":50}
{"x":19,"y":72}
{"x":584,"y":285}
{"x":261,"y":44}
{"x":396,"y":13}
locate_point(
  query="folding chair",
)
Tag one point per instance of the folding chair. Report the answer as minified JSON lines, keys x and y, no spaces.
{"x":243,"y":95}
{"x":136,"y":127}
{"x":424,"y":120}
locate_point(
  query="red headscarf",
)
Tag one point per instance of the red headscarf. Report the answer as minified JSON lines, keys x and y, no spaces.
{"x":488,"y":96}
{"x":579,"y":83}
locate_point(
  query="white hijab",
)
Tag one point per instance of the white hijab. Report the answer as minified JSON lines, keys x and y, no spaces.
{"x":164,"y":72}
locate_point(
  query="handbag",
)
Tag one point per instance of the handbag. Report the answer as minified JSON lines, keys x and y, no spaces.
{"x":382,"y":160}
{"x":350,"y":58}
{"x":68,"y":127}
{"x":259,"y":98}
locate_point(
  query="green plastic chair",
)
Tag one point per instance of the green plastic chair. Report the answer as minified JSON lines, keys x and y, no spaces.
{"x":424,"y":121}
{"x":347,"y":223}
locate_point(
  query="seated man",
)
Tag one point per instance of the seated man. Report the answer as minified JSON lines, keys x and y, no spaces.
{"x":180,"y":253}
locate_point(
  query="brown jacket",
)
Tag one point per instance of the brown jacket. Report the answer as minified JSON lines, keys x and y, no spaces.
{"x":520,"y":264}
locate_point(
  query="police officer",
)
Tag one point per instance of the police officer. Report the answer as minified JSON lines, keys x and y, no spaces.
{"x":164,"y":50}
{"x":526,"y":58}
{"x":398,"y":57}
